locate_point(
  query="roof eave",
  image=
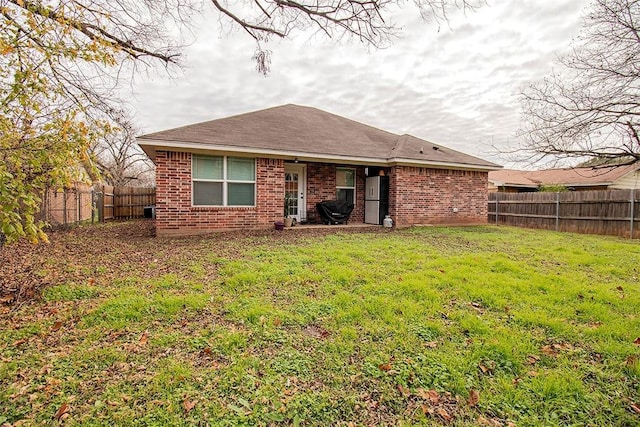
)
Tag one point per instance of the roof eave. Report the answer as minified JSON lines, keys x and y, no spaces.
{"x":442,"y":165}
{"x":511,"y":184}
{"x":150,"y":146}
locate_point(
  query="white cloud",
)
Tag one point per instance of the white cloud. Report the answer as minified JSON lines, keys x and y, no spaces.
{"x":457,"y":86}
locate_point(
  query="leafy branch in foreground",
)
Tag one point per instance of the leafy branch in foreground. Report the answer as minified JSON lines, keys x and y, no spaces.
{"x":59,"y":62}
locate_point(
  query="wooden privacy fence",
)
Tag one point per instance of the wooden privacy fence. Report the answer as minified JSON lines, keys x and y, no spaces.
{"x":611,"y":212}
{"x":65,"y":206}
{"x":124,"y":202}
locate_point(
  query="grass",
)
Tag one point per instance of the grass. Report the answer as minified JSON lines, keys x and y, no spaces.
{"x":426,"y":326}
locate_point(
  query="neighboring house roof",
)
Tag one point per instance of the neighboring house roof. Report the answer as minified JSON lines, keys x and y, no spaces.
{"x":570,"y":177}
{"x":293,"y":131}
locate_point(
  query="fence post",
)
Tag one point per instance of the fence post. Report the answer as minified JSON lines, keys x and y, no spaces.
{"x":632,"y":212}
{"x":78,"y":205}
{"x":497,"y":204}
{"x":64,"y":206}
{"x":100,"y":204}
{"x":557,"y":211}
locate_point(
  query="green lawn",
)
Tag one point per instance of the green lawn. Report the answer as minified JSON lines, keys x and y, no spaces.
{"x":427,"y":326}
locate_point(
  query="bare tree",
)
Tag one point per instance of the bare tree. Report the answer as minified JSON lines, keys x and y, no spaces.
{"x":120,"y":160}
{"x":590,"y":108}
{"x":365,"y":20}
{"x":61,"y":61}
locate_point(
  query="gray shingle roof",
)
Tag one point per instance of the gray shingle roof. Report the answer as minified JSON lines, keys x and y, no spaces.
{"x":586,"y":176}
{"x":298,"y":129}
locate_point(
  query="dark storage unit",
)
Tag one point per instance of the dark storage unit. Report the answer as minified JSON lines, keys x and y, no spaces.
{"x":149,"y":211}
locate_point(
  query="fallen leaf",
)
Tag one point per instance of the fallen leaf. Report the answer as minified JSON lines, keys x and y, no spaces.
{"x":507,"y":309}
{"x":206,"y":352}
{"x":487,"y":366}
{"x":431,"y":344}
{"x":631,"y":360}
{"x":144,"y":338}
{"x":22,"y":341}
{"x":619,"y":288}
{"x":403,"y":390}
{"x":188,"y":405}
{"x":277,"y":322}
{"x":637,"y":341}
{"x":430,"y":395}
{"x":6,"y":299}
{"x":426,"y":409}
{"x":64,"y":409}
{"x":532,"y":359}
{"x":474,"y":398}
{"x":548,"y":350}
{"x":385,"y":367}
{"x":635,"y":407}
{"x":532,"y":373}
{"x":444,"y":414}
{"x":56,"y":326}
{"x":92,"y":281}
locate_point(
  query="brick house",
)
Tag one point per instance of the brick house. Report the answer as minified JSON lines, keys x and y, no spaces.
{"x":234,"y":172}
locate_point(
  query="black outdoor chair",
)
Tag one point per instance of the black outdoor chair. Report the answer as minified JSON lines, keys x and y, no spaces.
{"x":334,"y":211}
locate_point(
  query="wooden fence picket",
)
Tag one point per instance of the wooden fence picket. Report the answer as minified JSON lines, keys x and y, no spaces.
{"x":610,"y":212}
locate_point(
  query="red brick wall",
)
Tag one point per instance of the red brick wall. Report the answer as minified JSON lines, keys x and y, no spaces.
{"x":175,"y":215}
{"x":429,"y":196}
{"x":321,"y":185}
{"x":416,"y":196}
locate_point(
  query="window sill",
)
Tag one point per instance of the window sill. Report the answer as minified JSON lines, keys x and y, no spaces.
{"x":221,"y":208}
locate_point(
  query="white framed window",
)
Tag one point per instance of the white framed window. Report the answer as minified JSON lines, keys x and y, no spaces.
{"x":346,"y":184}
{"x":223,"y":181}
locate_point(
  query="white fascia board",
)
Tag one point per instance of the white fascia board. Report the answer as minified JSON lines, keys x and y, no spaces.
{"x":442,"y":165}
{"x":586,"y":184}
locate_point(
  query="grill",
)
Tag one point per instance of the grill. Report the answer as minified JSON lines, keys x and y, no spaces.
{"x":335,"y":211}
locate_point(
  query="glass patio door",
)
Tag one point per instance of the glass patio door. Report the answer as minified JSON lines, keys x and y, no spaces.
{"x":294,"y":188}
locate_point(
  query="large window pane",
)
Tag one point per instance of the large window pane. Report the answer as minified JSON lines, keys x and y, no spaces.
{"x":240,"y":194}
{"x":345,"y":177}
{"x":241,"y":169}
{"x":346,"y":194}
{"x":205,"y":167}
{"x":207,"y":193}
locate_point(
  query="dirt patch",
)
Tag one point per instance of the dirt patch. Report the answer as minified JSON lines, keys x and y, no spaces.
{"x":88,"y":251}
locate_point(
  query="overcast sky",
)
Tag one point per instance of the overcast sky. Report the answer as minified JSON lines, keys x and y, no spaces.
{"x":456,"y":87}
